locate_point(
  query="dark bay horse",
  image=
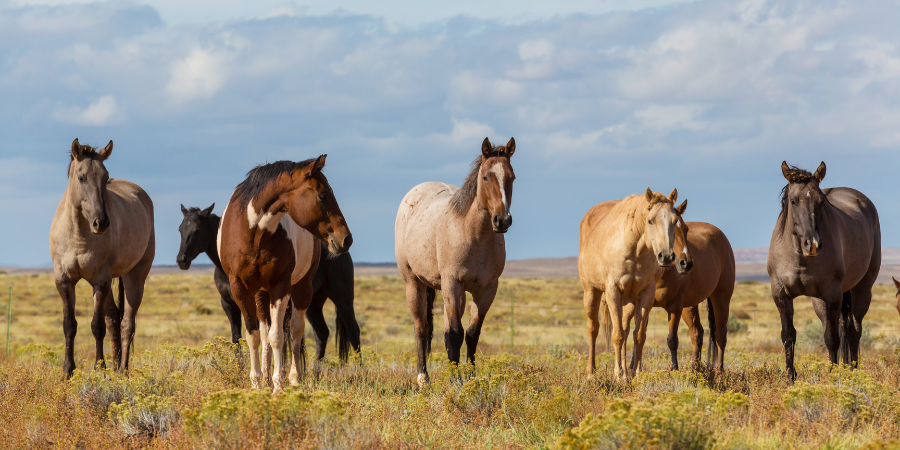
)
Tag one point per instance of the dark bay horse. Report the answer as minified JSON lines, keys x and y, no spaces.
{"x":333,"y":279}
{"x":826,"y":245}
{"x":103,"y":229}
{"x":451,"y":238}
{"x":268,"y":249}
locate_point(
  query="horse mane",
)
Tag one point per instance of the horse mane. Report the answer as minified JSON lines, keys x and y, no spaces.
{"x":794,"y":175}
{"x":87,"y":151}
{"x":463,"y":198}
{"x":637,"y":206}
{"x":260,"y":176}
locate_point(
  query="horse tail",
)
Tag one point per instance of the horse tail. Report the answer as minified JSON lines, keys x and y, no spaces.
{"x":430,"y":295}
{"x":845,"y":328}
{"x":342,"y":336}
{"x":712,"y":352}
{"x":607,"y":324}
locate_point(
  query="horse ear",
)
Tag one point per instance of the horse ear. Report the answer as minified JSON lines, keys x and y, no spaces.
{"x":511,"y":147}
{"x":106,"y":151}
{"x":76,"y":149}
{"x":206,"y":211}
{"x":896,"y":283}
{"x":785,"y":170}
{"x":680,"y":209}
{"x":312,"y":168}
{"x":673,"y":196}
{"x":649,"y":195}
{"x":184,"y":210}
{"x":820,"y":172}
{"x":486,"y":148}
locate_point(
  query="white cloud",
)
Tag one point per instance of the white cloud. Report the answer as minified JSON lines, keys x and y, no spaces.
{"x":198,"y":76}
{"x":102,"y":111}
{"x":670,"y":117}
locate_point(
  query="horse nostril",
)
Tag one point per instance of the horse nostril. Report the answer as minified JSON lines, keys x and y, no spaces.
{"x":348,"y":241}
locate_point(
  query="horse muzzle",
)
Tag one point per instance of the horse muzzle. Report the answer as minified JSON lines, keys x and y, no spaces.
{"x":684,"y":266}
{"x":665,"y":259}
{"x":100,"y":225}
{"x":811,"y":246}
{"x":501,"y":224}
{"x":183,"y":262}
{"x":337,"y":245}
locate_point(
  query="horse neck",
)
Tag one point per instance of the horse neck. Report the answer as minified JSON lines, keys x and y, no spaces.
{"x":477,"y":221}
{"x":72,"y":213}
{"x":634,"y":231}
{"x":212,"y":224}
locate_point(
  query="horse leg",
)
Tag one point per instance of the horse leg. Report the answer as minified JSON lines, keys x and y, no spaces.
{"x":482,"y":302}
{"x":317,"y":321}
{"x":245,"y":300}
{"x":347,"y":328}
{"x":420,"y":309}
{"x":620,"y":318}
{"x":720,"y":303}
{"x":281,"y":297}
{"x":785,"y":304}
{"x":262,"y":300}
{"x":66,"y":288}
{"x":454,"y":307}
{"x":829,"y":311}
{"x":691,"y":317}
{"x":861,"y":298}
{"x":593,"y":300}
{"x":642,"y":320}
{"x":301,"y":298}
{"x":133,"y":282}
{"x":101,"y":289}
{"x":674,"y":307}
{"x":231,"y":308}
{"x":114,"y":322}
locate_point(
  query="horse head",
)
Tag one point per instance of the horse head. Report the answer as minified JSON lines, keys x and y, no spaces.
{"x":803,"y":202}
{"x":87,"y":184}
{"x":662,"y":220}
{"x":495,"y":183}
{"x":312,"y":205}
{"x":195,"y":235}
{"x":683,"y":260}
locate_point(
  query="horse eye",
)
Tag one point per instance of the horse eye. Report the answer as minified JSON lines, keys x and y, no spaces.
{"x":81,"y":178}
{"x":484,"y":178}
{"x":793,"y":203}
{"x":322,"y":197}
{"x":649,"y":222}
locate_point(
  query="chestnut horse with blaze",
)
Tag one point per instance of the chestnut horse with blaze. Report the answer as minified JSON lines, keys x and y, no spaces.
{"x":268,"y":248}
{"x":451,"y":238}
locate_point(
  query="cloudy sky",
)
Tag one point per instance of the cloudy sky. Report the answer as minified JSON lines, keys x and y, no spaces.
{"x":604,"y":99}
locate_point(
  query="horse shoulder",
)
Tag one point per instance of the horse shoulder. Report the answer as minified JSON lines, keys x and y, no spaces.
{"x":304,"y":247}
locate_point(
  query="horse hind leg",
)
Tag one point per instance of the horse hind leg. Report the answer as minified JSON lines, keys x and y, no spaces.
{"x":317,"y":321}
{"x":691,"y":317}
{"x":860,"y":301}
{"x":420,"y":300}
{"x":593,"y":301}
{"x":133,"y":282}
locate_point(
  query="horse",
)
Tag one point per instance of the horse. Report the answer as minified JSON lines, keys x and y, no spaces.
{"x":102,"y":229}
{"x":267,"y":245}
{"x":621,"y":253}
{"x":826,"y":245}
{"x":680,"y":292}
{"x":897,"y":285}
{"x":333,"y":279}
{"x":451,"y":238}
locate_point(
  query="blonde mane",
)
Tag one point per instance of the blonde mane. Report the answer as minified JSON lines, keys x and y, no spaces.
{"x":632,"y":211}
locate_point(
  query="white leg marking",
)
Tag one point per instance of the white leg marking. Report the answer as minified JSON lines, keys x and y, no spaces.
{"x":253,"y":344}
{"x":276,"y":340}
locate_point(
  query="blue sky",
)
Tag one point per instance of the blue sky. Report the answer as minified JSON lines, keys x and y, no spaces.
{"x":603,"y":98}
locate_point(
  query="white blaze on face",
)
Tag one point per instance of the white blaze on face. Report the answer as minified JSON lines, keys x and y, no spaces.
{"x":500,"y":172}
{"x":267,"y":221}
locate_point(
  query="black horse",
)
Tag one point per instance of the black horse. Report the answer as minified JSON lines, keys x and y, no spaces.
{"x":333,"y":279}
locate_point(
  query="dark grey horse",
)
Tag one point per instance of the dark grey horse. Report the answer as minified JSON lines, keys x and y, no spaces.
{"x":333,"y":279}
{"x":826,"y":245}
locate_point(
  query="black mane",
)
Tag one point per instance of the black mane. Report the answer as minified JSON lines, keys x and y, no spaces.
{"x":463,"y":198}
{"x":795,"y":175}
{"x":260,"y":176}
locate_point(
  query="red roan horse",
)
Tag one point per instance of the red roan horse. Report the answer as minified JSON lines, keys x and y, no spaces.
{"x":268,"y":251}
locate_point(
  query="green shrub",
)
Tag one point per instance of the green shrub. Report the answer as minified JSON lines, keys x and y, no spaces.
{"x":734,"y":325}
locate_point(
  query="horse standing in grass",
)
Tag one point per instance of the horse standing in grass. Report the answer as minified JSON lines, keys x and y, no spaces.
{"x":897,"y":285}
{"x":103,"y":229}
{"x":451,"y":238}
{"x":268,"y":249}
{"x":620,"y":258}
{"x":680,"y":292}
{"x":826,"y":245}
{"x":333,"y":279}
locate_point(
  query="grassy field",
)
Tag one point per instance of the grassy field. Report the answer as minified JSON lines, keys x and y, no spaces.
{"x":189,"y":388}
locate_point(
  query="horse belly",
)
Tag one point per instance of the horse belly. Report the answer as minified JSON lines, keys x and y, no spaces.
{"x":303,"y":243}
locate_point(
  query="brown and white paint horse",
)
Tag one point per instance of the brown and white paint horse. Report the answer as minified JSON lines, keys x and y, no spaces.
{"x":451,"y":238}
{"x":268,"y":248}
{"x":621,"y":256}
{"x":103,"y":229}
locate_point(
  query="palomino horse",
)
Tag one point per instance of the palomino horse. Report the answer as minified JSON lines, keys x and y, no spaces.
{"x":268,"y":249}
{"x":620,"y":258}
{"x":451,"y":238}
{"x":897,"y":285}
{"x":712,"y":279}
{"x":826,"y":245}
{"x":103,"y":229}
{"x":333,"y":279}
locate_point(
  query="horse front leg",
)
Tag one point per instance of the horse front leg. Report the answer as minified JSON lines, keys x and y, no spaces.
{"x":785,"y":304}
{"x":245,"y":300}
{"x":482,"y":302}
{"x":828,"y":309}
{"x":275,"y":337}
{"x":641,"y":321}
{"x":262,"y":301}
{"x":301,"y":298}
{"x":454,"y":307}
{"x":691,"y":317}
{"x":66,"y":288}
{"x":619,"y":319}
{"x":101,"y":293}
{"x":593,"y":301}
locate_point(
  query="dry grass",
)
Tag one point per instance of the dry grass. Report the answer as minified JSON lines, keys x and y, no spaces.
{"x":189,"y":389}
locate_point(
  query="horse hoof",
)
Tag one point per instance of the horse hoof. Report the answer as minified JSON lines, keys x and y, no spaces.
{"x":255,"y":383}
{"x":422,"y":379}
